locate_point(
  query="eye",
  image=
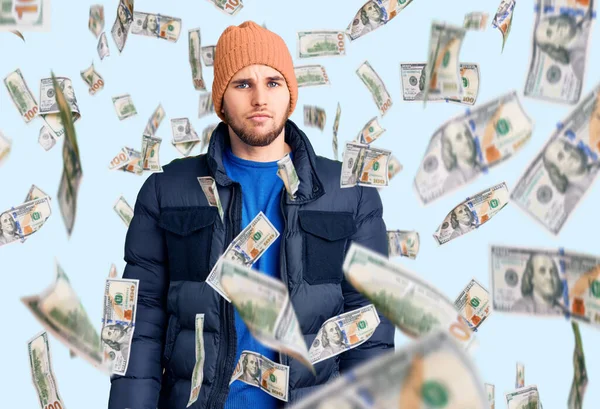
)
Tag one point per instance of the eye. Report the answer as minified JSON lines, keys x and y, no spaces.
{"x":242,"y":85}
{"x":273,"y":84}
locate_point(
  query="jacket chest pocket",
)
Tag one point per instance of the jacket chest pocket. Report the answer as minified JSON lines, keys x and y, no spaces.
{"x":188,"y":234}
{"x":325,"y":237}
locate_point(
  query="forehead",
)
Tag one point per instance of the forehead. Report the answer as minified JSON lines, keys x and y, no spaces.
{"x":257,"y":71}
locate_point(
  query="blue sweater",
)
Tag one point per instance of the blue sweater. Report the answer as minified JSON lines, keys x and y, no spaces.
{"x":261,"y":191}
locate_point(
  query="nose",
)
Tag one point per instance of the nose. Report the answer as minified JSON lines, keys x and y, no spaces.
{"x":259,"y":96}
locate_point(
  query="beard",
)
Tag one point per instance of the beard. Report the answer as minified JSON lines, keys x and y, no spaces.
{"x":253,"y":138}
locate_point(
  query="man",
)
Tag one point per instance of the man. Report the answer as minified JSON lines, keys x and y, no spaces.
{"x":251,"y":372}
{"x":176,"y":237}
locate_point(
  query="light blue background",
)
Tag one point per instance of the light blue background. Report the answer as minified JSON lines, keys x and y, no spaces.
{"x":154,"y":71}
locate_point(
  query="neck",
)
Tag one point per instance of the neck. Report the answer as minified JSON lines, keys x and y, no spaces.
{"x":272,"y":152}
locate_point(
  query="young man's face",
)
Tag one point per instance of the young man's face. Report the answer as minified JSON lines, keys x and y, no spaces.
{"x":256,"y":104}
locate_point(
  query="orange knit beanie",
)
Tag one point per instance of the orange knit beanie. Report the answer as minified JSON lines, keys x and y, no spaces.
{"x":248,"y":44}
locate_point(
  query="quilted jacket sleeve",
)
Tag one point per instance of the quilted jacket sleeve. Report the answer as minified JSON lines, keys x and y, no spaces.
{"x":145,"y":254}
{"x":371,"y":233}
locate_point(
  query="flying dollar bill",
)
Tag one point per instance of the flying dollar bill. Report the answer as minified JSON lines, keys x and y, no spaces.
{"x":194,"y":57}
{"x":473,"y":304}
{"x":127,"y":160}
{"x":491,"y":394}
{"x":580,"y":378}
{"x":257,"y":370}
{"x":559,"y":176}
{"x":376,"y":87}
{"x":472,"y":213}
{"x":320,"y":43}
{"x":413,"y":305}
{"x":314,"y":116}
{"x":432,"y":372}
{"x":21,"y":95}
{"x":112,"y":273}
{"x":287,"y":173}
{"x":120,"y":28}
{"x":206,"y":105}
{"x":230,"y":7}
{"x":5,"y":147}
{"x":154,"y":121}
{"x":122,"y":208}
{"x":560,"y":41}
{"x":206,"y":134}
{"x":92,"y":79}
{"x":470,"y":144}
{"x":520,"y":379}
{"x":156,"y":25}
{"x":22,"y":221}
{"x":264,"y":304}
{"x":394,"y":167}
{"x":185,"y":138}
{"x":413,"y":83}
{"x":198,"y":372}
{"x":49,"y":109}
{"x":374,"y":14}
{"x":311,"y":75}
{"x":150,"y":150}
{"x":24,"y":15}
{"x":364,"y":165}
{"x":118,"y":322}
{"x":503,"y":19}
{"x":403,"y":243}
{"x":344,"y":332}
{"x":42,"y":373}
{"x":476,"y":20}
{"x":96,"y":20}
{"x":370,"y":132}
{"x":102,"y":47}
{"x":208,"y":55}
{"x":46,"y":139}
{"x":209,"y":187}
{"x":526,"y":397}
{"x":124,"y":106}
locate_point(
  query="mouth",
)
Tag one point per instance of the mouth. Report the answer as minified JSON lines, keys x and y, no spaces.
{"x":259,"y":117}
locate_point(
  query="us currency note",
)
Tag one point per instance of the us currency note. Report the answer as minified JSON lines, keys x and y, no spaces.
{"x":476,"y":20}
{"x":376,"y":87}
{"x":22,"y":221}
{"x":60,"y":311}
{"x":208,"y":55}
{"x":287,"y":173}
{"x":156,"y":25}
{"x":343,"y":332}
{"x":264,"y":304}
{"x":194,"y":57}
{"x":21,"y":95}
{"x":557,"y":179}
{"x":473,"y":304}
{"x":230,"y":7}
{"x":503,"y":19}
{"x":198,"y":372}
{"x":120,"y":28}
{"x":311,"y":75}
{"x":245,"y":249}
{"x":527,"y":397}
{"x":124,"y":106}
{"x":46,"y":139}
{"x":118,"y":322}
{"x":314,"y":116}
{"x":403,"y":243}
{"x":470,"y":144}
{"x":206,"y":105}
{"x":49,"y":110}
{"x":430,"y":372}
{"x":121,"y":159}
{"x":443,"y":69}
{"x":394,"y":167}
{"x":209,"y":187}
{"x":24,"y":15}
{"x":93,"y":79}
{"x":520,"y":380}
{"x":96,"y":20}
{"x":412,"y":304}
{"x":122,"y":208}
{"x":580,"y":378}
{"x":374,"y":14}
{"x":560,"y":42}
{"x":42,"y":373}
{"x":370,"y":132}
{"x":5,"y":147}
{"x":364,"y":165}
{"x":472,"y":213}
{"x":128,"y":160}
{"x":491,"y":394}
{"x":150,"y":149}
{"x":206,"y":134}
{"x":413,"y":83}
{"x":185,"y":137}
{"x":336,"y":127}
{"x":257,"y":370}
{"x":154,"y":121}
{"x":112,"y":273}
{"x":320,"y":43}
{"x":102,"y":47}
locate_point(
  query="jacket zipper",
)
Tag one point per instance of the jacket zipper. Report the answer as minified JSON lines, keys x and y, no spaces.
{"x":282,"y":261}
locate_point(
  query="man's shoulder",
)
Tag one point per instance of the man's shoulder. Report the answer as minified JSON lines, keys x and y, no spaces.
{"x":197,"y":165}
{"x":328,"y":169}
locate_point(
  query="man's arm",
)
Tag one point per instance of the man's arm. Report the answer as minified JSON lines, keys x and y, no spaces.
{"x":371,"y":233}
{"x":145,"y":257}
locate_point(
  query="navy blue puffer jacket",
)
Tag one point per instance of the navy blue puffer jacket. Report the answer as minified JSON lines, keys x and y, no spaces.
{"x":174,"y":240}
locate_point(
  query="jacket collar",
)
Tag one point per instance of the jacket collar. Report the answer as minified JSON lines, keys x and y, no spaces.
{"x":304,"y":160}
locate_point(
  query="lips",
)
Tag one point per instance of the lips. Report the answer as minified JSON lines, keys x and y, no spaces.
{"x":259,"y":116}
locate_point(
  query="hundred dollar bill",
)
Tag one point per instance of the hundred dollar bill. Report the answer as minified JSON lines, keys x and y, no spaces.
{"x":134,"y":165}
{"x":120,"y":28}
{"x":60,"y":311}
{"x":22,"y":221}
{"x":344,"y":332}
{"x":561,"y":37}
{"x":468,"y":145}
{"x":413,"y":83}
{"x":198,"y":372}
{"x":472,"y":213}
{"x":287,"y":173}
{"x":376,"y":87}
{"x":35,"y":193}
{"x":185,"y":137}
{"x":320,"y":43}
{"x":118,"y":322}
{"x":476,"y":20}
{"x":432,"y":372}
{"x":21,"y":95}
{"x":206,"y":134}
{"x":112,"y":273}
{"x":24,"y":15}
{"x":546,"y":283}
{"x":154,"y":121}
{"x":96,"y":20}
{"x":122,"y":208}
{"x":245,"y":249}
{"x":314,"y":116}
{"x":46,"y":139}
{"x":156,"y":25}
{"x":194,"y":57}
{"x":336,"y":127}
{"x":394,"y":167}
{"x":311,"y":75}
{"x":364,"y":165}
{"x":206,"y":105}
{"x":208,"y":55}
{"x":374,"y":14}
{"x":370,"y":132}
{"x":93,"y":79}
{"x":491,"y":394}
{"x":124,"y":106}
{"x":121,"y":159}
{"x":264,"y":304}
{"x":150,"y":149}
{"x":42,"y":373}
{"x":403,"y":243}
{"x":5,"y":147}
{"x":580,"y":378}
{"x":473,"y":304}
{"x":209,"y":187}
{"x":102,"y":47}
{"x":557,"y":179}
{"x":257,"y":370}
{"x":503,"y":19}
{"x":520,"y":380}
{"x":49,"y":110}
{"x":230,"y":7}
{"x":412,"y":304}
{"x":526,"y":397}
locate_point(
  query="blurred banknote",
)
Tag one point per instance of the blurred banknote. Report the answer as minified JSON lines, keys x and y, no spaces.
{"x":559,"y":52}
{"x":560,"y":175}
{"x":112,"y":273}
{"x":185,"y":137}
{"x":336,"y":126}
{"x":21,"y":95}
{"x":370,"y":132}
{"x":122,"y":208}
{"x":46,"y":139}
{"x":476,"y":20}
{"x":520,"y":380}
{"x":580,"y":378}
{"x":311,"y":75}
{"x":102,"y":47}
{"x":120,"y":28}
{"x":92,"y":79}
{"x":124,"y":106}
{"x":209,"y":187}
{"x":42,"y":373}
{"x":49,"y":108}
{"x":364,"y":165}
{"x":96,"y":20}
{"x":205,"y":105}
{"x":127,"y":160}
{"x":208,"y":55}
{"x":206,"y":134}
{"x":150,"y":150}
{"x":491,"y":394}
{"x":473,"y":304}
{"x":194,"y":58}
{"x":230,"y":7}
{"x":5,"y":147}
{"x":376,"y":87}
{"x":287,"y":173}
{"x":320,"y":43}
{"x":156,"y":25}
{"x":198,"y":372}
{"x":22,"y":221}
{"x":524,"y":398}
{"x":394,"y":167}
{"x":25,"y":15}
{"x":374,"y":14}
{"x":468,"y":145}
{"x":154,"y":121}
{"x":403,"y":243}
{"x":257,"y":370}
{"x":314,"y":116}
{"x":503,"y":18}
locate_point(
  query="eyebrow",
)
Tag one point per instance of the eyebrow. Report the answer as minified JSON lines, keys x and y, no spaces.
{"x":250,"y":80}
